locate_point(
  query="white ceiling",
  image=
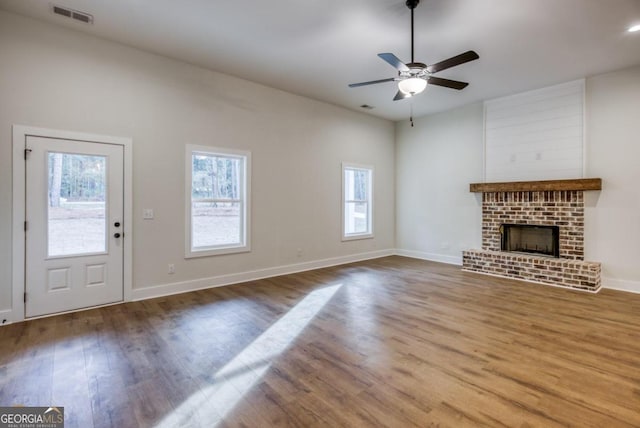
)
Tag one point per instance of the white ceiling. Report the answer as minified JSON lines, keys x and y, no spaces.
{"x":315,"y":48}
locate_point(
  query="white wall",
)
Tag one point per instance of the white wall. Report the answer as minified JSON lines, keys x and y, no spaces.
{"x":437,"y":160}
{"x":612,"y":216}
{"x":56,"y":78}
{"x":437,"y":216}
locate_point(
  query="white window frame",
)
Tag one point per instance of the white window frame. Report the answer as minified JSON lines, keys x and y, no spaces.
{"x":244,"y":200}
{"x":369,"y":234}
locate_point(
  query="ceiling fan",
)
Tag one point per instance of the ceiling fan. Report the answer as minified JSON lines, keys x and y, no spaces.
{"x":413,"y":77}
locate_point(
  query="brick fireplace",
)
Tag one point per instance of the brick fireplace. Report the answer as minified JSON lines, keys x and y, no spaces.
{"x":544,"y":203}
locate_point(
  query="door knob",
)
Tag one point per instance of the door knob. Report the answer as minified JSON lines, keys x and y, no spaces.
{"x":116,"y":235}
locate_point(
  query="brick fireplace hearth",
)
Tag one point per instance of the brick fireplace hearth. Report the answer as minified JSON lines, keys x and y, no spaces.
{"x":536,"y":203}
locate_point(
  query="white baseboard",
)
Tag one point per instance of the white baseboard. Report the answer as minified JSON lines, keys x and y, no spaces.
{"x":234,"y":278}
{"x":452,"y":260}
{"x":6,"y":314}
{"x":621,"y":285}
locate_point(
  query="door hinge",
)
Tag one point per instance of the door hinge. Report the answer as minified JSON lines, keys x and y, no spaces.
{"x":26,"y":153}
{"x":25,"y":297}
{"x":25,"y":226}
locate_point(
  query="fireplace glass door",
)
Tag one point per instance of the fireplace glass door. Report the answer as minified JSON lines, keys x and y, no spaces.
{"x":531,"y":239}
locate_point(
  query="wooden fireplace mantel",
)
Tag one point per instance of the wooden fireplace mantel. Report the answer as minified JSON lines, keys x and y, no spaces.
{"x":538,"y":186}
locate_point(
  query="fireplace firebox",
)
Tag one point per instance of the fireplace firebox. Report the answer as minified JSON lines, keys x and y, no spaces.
{"x":531,"y":239}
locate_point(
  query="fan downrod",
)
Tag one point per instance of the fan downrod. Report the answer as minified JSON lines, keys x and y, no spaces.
{"x":411,"y":4}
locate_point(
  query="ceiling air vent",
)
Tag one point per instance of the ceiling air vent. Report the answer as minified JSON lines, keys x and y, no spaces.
{"x":73,"y":14}
{"x":62,"y":11}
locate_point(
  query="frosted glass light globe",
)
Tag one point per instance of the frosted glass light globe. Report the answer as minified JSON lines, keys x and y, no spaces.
{"x":412,"y":85}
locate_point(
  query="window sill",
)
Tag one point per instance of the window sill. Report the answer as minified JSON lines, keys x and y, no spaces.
{"x":356,"y":237}
{"x":217,"y":252}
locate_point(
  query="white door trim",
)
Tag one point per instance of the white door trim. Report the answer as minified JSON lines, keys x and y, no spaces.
{"x":20,"y":134}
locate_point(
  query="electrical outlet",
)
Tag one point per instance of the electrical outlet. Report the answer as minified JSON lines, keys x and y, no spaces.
{"x":172,"y":268}
{"x":147,"y":214}
{"x":299,"y":252}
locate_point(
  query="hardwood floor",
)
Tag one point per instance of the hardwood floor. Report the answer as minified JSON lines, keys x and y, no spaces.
{"x":390,"y":342}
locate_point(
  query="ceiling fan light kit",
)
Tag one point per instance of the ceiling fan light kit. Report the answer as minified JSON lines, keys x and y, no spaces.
{"x":414,"y":77}
{"x":412,"y":85}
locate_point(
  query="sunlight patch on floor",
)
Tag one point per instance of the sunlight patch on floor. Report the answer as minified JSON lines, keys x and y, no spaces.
{"x":209,"y":406}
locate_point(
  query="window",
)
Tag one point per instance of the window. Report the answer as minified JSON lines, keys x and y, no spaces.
{"x":357,"y":186}
{"x":218,"y":195}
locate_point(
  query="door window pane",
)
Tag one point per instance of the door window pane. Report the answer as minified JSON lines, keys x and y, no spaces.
{"x":76,"y":207}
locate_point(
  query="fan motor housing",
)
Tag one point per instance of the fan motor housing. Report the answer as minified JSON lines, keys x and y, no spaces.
{"x":416,"y":69}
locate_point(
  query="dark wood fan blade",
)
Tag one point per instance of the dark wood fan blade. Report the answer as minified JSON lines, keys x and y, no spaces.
{"x":394,"y":61}
{"x":401,"y":96}
{"x":371,"y":82}
{"x":452,"y":62}
{"x":453,"y":84}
